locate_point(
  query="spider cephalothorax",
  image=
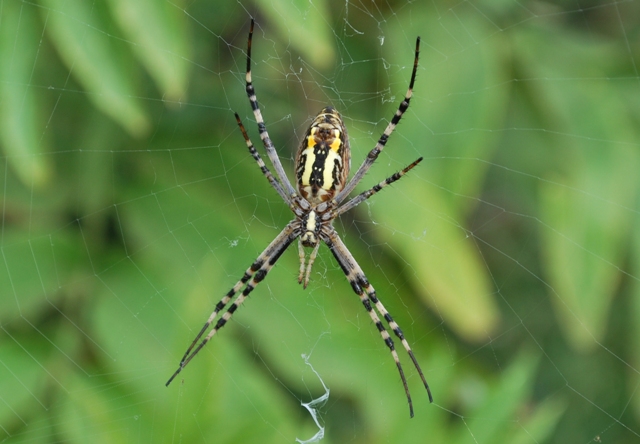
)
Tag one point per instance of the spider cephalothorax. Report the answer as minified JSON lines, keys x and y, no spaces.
{"x":322,"y":169}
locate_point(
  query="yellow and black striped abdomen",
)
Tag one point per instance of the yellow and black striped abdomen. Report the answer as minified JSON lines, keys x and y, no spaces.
{"x":324,"y":158}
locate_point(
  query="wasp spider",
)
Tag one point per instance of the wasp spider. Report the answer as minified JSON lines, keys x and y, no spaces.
{"x":322,"y":167}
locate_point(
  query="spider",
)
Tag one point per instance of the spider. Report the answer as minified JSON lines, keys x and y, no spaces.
{"x":322,"y":164}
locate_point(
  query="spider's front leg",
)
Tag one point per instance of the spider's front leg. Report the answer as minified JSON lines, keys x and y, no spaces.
{"x":251,"y":278}
{"x":367,"y":294}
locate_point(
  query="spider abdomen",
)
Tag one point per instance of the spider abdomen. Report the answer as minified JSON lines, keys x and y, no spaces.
{"x":324,"y":158}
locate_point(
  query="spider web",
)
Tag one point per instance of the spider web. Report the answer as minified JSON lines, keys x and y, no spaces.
{"x":130,"y":206}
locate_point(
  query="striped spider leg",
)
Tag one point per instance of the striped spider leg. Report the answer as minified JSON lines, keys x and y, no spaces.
{"x":251,"y":278}
{"x":373,"y":154}
{"x":322,"y":164}
{"x":367,"y":294}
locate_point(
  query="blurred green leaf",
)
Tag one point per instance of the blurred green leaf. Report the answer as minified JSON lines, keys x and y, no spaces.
{"x":502,"y":417}
{"x":299,"y":22}
{"x":105,"y":416}
{"x":449,"y":273}
{"x":224,"y":385}
{"x":21,"y":133}
{"x":34,"y":268}
{"x":584,"y":205}
{"x":22,"y":391}
{"x":158,"y":33}
{"x":540,"y":424}
{"x":512,"y":391}
{"x":83,"y":39}
{"x":635,"y":308}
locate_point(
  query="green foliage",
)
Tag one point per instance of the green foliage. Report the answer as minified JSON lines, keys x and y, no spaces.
{"x":130,"y":205}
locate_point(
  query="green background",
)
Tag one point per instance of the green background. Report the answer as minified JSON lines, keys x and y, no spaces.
{"x":130,"y":205}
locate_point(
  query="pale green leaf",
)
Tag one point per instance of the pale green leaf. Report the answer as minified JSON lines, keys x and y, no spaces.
{"x":450,"y":273}
{"x":502,"y":403}
{"x":96,"y":59}
{"x":300,"y":22}
{"x":541,"y":424}
{"x":584,"y":205}
{"x":158,"y":35}
{"x":20,"y":128}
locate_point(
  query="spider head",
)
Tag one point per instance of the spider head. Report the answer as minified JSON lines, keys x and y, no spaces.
{"x":311,"y":226}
